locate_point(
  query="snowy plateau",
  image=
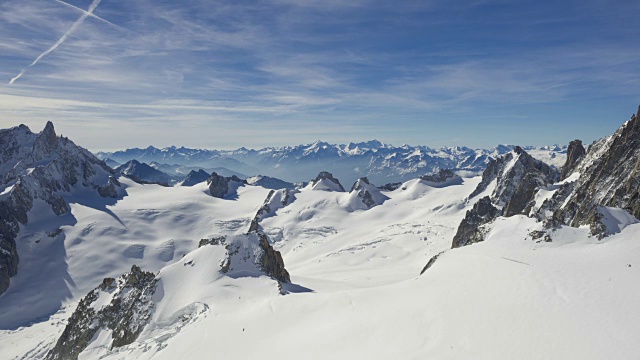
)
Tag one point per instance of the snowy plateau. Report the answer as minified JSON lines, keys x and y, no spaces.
{"x":509,"y":253}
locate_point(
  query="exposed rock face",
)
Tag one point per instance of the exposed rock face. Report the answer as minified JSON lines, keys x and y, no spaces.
{"x":491,"y":173}
{"x":142,"y":171}
{"x":517,"y":183}
{"x":517,"y":176}
{"x":40,"y":166}
{"x":366,"y":193}
{"x":250,"y":254}
{"x":46,"y":143}
{"x":442,"y":176}
{"x":361,"y":189}
{"x":326,"y":181}
{"x":272,"y":262}
{"x":123,"y":305}
{"x":390,"y":186}
{"x":610,"y":176}
{"x":469,"y":231}
{"x":195,"y":177}
{"x":275,"y":200}
{"x":575,"y":153}
{"x":218,"y":185}
{"x":110,"y":190}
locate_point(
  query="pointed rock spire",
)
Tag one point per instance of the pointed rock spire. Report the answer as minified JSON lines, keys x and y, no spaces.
{"x":575,"y":153}
{"x":46,"y":142}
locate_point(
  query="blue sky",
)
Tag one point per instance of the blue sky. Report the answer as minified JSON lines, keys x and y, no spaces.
{"x":224,"y":74}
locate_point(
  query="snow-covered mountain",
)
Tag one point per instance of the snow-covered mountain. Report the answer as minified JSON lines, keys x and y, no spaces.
{"x":38,"y":175}
{"x":381,"y":163}
{"x":526,"y":261}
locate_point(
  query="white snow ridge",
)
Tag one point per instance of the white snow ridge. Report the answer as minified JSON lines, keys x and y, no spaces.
{"x":517,"y":263}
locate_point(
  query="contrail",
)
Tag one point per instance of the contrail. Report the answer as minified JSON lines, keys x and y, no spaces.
{"x":95,"y":16}
{"x":64,"y":37}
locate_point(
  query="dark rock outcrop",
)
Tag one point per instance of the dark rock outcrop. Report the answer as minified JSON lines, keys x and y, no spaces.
{"x":469,"y":231}
{"x":248,"y":254}
{"x":430,"y":263}
{"x":109,"y":190}
{"x":126,"y":314}
{"x":441,"y":176}
{"x":390,"y":186}
{"x":272,"y":262}
{"x":218,"y":185}
{"x":575,"y":153}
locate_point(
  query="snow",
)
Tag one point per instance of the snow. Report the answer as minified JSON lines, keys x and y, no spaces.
{"x":356,"y":291}
{"x":615,"y":219}
{"x":103,"y":238}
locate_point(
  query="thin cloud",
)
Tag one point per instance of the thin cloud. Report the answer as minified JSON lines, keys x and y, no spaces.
{"x":64,"y":37}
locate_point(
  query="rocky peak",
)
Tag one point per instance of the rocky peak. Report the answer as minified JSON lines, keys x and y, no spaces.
{"x":517,"y":176}
{"x":364,"y":192}
{"x":218,"y":185}
{"x":575,"y":153}
{"x":359,"y":183}
{"x":46,"y":142}
{"x":326,"y":181}
{"x":41,"y":166}
{"x":123,"y":305}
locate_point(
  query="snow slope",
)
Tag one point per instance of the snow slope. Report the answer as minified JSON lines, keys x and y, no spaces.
{"x":356,"y":290}
{"x":151,"y":227}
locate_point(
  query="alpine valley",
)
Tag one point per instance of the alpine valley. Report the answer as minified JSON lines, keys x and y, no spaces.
{"x":320,"y":251}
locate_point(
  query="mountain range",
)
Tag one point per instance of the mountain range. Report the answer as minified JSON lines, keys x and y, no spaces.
{"x":527,"y":260}
{"x":381,"y":163}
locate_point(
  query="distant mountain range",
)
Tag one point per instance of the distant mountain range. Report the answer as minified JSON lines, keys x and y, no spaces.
{"x":381,"y":163}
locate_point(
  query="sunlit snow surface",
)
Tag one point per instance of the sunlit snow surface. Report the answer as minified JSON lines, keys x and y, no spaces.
{"x":356,"y":291}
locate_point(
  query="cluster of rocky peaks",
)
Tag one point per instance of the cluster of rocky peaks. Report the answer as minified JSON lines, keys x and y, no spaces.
{"x":592,"y":185}
{"x":42,"y":167}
